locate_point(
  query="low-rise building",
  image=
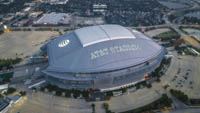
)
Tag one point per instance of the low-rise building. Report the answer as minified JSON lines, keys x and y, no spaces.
{"x":15,"y":99}
{"x":4,"y":105}
{"x":54,"y":19}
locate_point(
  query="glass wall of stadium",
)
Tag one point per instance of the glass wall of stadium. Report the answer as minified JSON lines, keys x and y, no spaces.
{"x":105,"y":81}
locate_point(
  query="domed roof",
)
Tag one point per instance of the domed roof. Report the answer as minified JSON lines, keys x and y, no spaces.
{"x":99,"y":49}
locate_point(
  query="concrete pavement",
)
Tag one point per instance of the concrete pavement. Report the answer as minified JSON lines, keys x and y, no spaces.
{"x":189,"y":110}
{"x":46,"y":103}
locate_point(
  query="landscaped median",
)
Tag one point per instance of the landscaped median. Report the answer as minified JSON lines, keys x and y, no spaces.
{"x":180,"y":96}
{"x":64,"y":92}
{"x":7,"y":63}
{"x":195,"y":102}
{"x":184,"y":98}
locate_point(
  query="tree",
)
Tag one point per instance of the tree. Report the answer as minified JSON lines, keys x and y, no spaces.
{"x":93,"y":108}
{"x":23,"y":93}
{"x":10,"y":91}
{"x":106,"y":106}
{"x":180,"y":95}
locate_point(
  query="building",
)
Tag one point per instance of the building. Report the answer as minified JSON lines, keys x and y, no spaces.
{"x":4,"y":105}
{"x":54,"y":19}
{"x":3,"y":86}
{"x":106,"y":57}
{"x":99,"y":8}
{"x":7,"y":102}
{"x":54,"y":2}
{"x":15,"y":99}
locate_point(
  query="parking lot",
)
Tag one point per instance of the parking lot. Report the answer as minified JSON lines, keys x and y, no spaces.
{"x":183,"y":74}
{"x":23,"y":44}
{"x":135,"y":99}
{"x":46,"y":103}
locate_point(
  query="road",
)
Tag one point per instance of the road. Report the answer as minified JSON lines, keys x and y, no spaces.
{"x":47,"y":103}
{"x":189,"y":110}
{"x":67,"y":27}
{"x":177,"y":103}
{"x":175,"y":27}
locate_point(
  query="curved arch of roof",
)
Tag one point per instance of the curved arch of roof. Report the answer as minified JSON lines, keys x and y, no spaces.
{"x":103,"y":40}
{"x":90,"y":40}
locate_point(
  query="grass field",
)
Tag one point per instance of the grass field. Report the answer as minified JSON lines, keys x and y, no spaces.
{"x":168,"y":35}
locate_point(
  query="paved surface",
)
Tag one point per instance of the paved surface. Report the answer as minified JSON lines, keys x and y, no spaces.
{"x":145,"y":96}
{"x":189,"y":110}
{"x":44,"y":103}
{"x":183,"y":74}
{"x":99,"y":107}
{"x":23,"y":43}
{"x":133,"y":100}
{"x":25,"y":71}
{"x":177,"y":103}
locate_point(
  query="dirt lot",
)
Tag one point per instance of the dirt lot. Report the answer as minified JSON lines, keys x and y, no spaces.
{"x":191,"y":41}
{"x":23,"y":43}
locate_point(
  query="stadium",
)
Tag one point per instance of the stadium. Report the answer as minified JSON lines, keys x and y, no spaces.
{"x":105,"y":57}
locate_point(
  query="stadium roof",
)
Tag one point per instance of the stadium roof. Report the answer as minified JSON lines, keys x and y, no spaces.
{"x":96,"y":34}
{"x":99,"y":49}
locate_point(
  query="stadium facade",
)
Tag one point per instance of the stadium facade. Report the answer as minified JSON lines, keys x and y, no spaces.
{"x":106,"y":57}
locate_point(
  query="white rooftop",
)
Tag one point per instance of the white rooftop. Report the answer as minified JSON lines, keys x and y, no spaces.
{"x":96,"y":34}
{"x":52,"y":18}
